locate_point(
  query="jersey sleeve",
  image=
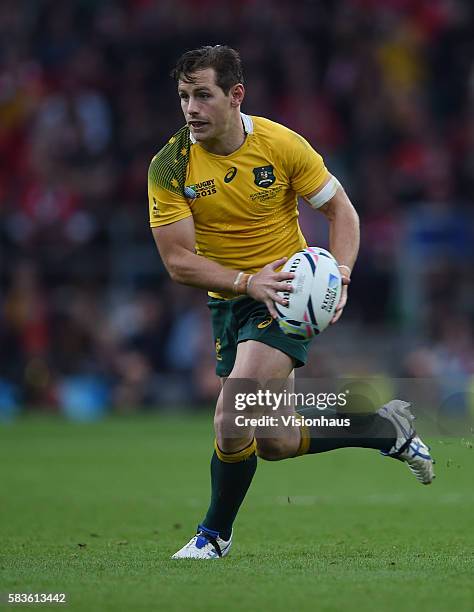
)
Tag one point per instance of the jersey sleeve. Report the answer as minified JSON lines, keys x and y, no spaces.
{"x":307,"y":171}
{"x":166,"y":205}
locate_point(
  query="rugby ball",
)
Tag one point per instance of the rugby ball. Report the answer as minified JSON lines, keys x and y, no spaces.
{"x":316,"y":292}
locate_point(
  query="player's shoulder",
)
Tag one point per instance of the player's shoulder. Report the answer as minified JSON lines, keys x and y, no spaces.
{"x":168,"y":167}
{"x":274,"y":133}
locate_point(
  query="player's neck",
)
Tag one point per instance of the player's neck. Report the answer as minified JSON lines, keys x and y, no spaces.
{"x":228,"y":143}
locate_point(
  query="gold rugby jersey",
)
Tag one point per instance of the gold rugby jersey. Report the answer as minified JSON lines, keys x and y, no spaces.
{"x":244,"y":205}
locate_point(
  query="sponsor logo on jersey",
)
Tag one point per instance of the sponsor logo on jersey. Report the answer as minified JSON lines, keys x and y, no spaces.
{"x":200,"y":190}
{"x":218,"y":349}
{"x":231,"y":172}
{"x":265,"y":323}
{"x":264,"y":176}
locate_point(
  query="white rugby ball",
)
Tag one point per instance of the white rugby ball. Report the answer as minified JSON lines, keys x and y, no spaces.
{"x":316,"y":292}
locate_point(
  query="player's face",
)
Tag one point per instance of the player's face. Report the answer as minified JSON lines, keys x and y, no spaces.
{"x":208,"y":111}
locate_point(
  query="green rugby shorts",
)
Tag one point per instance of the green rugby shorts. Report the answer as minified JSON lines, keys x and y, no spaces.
{"x":244,"y":318}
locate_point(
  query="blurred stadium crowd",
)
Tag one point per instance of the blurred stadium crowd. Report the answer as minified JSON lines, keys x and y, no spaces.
{"x":383,"y":89}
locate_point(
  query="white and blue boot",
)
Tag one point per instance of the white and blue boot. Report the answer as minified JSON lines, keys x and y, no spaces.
{"x":206,"y":544}
{"x":408,"y":447}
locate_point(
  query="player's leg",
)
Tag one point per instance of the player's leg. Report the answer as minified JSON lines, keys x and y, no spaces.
{"x":284,"y":441}
{"x":279,"y":441}
{"x":234,"y":460}
{"x":256,"y":364}
{"x":369,"y":431}
{"x":388,"y":430}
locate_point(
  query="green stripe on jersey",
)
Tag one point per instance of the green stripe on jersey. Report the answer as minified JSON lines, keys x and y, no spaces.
{"x":168,"y":167}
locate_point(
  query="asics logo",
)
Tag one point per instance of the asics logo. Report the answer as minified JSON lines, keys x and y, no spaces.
{"x":231,"y":172}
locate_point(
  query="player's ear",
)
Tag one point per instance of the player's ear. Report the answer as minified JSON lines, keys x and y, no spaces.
{"x":237,"y":93}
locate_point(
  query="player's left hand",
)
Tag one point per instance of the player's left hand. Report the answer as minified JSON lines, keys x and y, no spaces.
{"x":342,"y":300}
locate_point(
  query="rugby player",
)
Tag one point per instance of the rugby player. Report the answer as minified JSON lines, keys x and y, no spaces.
{"x":223,"y":211}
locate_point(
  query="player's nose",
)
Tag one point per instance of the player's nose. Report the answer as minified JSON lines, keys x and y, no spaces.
{"x":192,"y":107}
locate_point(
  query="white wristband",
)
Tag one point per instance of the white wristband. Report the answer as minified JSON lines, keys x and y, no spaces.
{"x":344,"y":266}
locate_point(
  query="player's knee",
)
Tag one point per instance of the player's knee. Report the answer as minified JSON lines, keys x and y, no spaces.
{"x":227,"y":439}
{"x":274,"y":449}
{"x":233,"y":445}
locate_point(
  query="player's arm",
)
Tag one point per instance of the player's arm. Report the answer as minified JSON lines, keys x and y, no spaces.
{"x":344,"y":234}
{"x":176,"y":242}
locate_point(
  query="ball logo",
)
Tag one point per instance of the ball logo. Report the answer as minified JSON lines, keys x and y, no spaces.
{"x":333,"y":281}
{"x":331,"y":292}
{"x":231,"y":172}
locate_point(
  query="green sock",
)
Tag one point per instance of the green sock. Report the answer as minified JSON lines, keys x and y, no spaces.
{"x":229,"y":485}
{"x":365,"y":431}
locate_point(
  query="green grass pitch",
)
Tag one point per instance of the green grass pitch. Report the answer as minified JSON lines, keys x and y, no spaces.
{"x":96,"y":510}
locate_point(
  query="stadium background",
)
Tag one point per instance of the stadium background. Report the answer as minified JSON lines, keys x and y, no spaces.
{"x":90,"y":325}
{"x":89,"y":321}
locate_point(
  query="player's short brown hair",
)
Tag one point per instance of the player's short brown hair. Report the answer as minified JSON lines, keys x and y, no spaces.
{"x":224,"y":60}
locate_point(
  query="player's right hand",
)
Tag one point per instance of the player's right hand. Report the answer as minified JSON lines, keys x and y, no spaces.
{"x":264,"y":285}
